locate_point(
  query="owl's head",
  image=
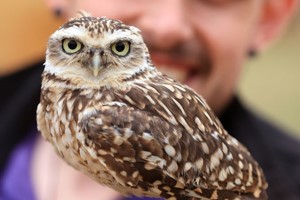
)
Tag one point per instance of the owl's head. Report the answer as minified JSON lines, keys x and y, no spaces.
{"x":94,"y":50}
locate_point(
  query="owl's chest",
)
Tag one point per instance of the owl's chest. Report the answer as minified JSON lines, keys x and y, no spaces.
{"x":62,"y":110}
{"x":59,"y":114}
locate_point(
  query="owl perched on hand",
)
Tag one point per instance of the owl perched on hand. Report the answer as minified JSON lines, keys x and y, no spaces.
{"x":111,"y":114}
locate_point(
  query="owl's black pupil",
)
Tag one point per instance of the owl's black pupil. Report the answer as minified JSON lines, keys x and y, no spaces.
{"x":72,"y":44}
{"x":120,"y":46}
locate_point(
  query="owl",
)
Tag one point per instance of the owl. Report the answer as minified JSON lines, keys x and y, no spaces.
{"x":111,"y":114}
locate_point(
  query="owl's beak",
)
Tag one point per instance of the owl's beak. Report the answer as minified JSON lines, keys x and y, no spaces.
{"x":96,"y":64}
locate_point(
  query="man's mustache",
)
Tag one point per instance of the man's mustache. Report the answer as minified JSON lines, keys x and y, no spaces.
{"x":194,"y":54}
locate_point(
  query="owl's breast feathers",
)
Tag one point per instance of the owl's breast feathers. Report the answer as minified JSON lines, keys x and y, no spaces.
{"x":154,"y":137}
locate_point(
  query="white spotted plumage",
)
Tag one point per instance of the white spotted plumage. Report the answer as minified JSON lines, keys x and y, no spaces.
{"x":109,"y":113}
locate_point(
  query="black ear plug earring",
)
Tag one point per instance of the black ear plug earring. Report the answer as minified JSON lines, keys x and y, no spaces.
{"x":252,"y":53}
{"x":58,"y":12}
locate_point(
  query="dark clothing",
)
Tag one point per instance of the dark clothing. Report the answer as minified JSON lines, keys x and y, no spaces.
{"x":276,"y":152}
{"x":20,"y":96}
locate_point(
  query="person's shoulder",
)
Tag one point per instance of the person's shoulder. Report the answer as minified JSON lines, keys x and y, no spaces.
{"x":284,"y":143}
{"x":276,"y":150}
{"x":245,"y":122}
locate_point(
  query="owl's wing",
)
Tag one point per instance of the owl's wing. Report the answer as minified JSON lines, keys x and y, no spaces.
{"x":139,"y":150}
{"x":182,"y":108}
{"x":133,"y":144}
{"x":167,"y":136}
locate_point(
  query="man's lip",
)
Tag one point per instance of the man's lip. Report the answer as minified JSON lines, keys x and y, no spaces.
{"x":176,"y":69}
{"x":173,"y":62}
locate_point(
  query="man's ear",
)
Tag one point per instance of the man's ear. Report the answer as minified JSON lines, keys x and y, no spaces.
{"x":274,"y":18}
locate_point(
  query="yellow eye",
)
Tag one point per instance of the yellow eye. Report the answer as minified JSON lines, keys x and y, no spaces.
{"x":121,"y":48}
{"x":71,"y":46}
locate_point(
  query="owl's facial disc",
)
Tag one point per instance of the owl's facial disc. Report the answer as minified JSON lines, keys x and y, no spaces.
{"x":97,"y":51}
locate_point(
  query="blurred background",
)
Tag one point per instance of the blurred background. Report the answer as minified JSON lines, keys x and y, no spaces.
{"x":270,"y":82}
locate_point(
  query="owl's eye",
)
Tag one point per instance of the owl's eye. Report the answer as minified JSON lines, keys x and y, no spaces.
{"x":71,"y":46}
{"x":121,"y":48}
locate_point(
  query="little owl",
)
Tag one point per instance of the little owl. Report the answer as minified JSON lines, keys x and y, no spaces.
{"x":111,"y":114}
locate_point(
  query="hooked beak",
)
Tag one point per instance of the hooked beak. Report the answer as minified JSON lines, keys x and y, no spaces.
{"x":96,"y":64}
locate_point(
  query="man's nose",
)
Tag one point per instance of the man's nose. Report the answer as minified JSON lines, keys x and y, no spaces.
{"x":166,"y":23}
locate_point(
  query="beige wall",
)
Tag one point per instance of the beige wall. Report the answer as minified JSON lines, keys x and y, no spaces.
{"x":24,"y":29}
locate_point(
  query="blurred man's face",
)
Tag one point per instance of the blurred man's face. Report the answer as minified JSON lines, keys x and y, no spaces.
{"x":202,"y":43}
